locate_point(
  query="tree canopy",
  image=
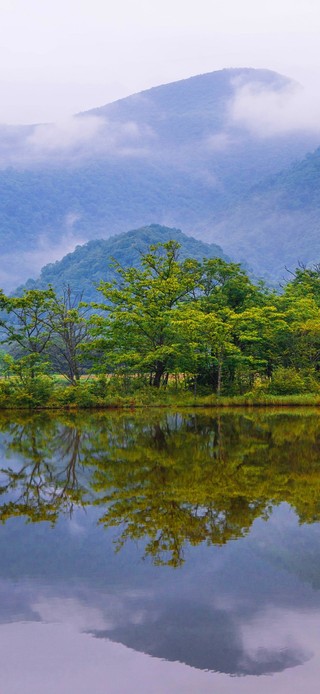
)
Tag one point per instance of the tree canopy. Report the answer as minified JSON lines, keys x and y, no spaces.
{"x":202,"y":325}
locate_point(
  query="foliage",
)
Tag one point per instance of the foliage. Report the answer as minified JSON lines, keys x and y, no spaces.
{"x":138,"y":334}
{"x":70,"y":331}
{"x":175,"y":324}
{"x":288,"y":381}
{"x":27,"y":327}
{"x":88,"y":265}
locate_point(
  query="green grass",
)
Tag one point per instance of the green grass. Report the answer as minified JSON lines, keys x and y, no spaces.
{"x":53,"y":394}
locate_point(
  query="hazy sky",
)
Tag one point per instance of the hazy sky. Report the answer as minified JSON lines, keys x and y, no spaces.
{"x":58,"y":57}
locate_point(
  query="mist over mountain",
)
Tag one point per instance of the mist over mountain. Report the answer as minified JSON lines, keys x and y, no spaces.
{"x":196,"y":154}
{"x":277,"y":223}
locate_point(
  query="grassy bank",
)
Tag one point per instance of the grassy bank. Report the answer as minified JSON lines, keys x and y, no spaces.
{"x":98,"y":393}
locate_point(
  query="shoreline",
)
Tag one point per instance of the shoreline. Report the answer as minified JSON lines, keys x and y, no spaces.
{"x":165,"y":400}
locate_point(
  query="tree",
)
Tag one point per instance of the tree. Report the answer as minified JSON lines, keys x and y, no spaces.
{"x":28,"y":328}
{"x":70,"y":332}
{"x":301,"y":304}
{"x":261,"y":333}
{"x":226,"y":285}
{"x":210,"y":340}
{"x":138,"y":334}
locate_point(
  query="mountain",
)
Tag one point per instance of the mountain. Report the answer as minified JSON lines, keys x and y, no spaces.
{"x":182,"y":155}
{"x":88,"y":264}
{"x":277,"y":223}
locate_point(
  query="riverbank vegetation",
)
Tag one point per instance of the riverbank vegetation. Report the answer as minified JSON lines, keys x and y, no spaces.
{"x":169,"y":331}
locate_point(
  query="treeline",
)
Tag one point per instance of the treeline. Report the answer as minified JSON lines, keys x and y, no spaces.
{"x":198,"y":326}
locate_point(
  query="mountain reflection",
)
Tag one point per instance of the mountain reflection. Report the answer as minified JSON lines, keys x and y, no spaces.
{"x":205,"y":638}
{"x":169,"y":479}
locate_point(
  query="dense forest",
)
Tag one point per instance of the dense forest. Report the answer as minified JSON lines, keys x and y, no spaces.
{"x":192,"y":326}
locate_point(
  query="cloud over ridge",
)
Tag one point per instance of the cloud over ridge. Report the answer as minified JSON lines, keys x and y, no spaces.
{"x":267,"y":110}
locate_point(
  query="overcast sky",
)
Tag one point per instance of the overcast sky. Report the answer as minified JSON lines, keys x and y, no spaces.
{"x":58,"y":57}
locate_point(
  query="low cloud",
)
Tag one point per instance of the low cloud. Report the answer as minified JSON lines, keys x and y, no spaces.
{"x":269,"y":111}
{"x":26,"y":264}
{"x":49,"y":251}
{"x":72,"y":141}
{"x":65,"y":135}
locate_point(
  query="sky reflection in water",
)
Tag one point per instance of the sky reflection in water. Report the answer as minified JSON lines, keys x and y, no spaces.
{"x":202,"y":583}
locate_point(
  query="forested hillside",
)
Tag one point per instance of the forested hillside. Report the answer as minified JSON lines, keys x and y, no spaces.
{"x":277,"y":223}
{"x":84,"y":269}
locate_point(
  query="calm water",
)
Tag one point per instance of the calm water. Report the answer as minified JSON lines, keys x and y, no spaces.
{"x":163,"y":552}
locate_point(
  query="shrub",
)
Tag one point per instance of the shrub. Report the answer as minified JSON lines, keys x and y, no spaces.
{"x":290,"y":381}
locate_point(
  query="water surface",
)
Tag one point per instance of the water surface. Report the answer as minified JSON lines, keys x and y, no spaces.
{"x":163,"y":552}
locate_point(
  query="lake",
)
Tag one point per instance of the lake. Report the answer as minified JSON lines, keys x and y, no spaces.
{"x":160,"y":552}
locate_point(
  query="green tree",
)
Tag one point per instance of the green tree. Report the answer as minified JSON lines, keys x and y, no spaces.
{"x":261,"y":332}
{"x":28,"y":328}
{"x":227,"y":285}
{"x":209,"y":337}
{"x":138,"y":334}
{"x":69,"y":327}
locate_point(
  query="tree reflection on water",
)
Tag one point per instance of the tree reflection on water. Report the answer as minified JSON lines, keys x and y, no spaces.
{"x":167,"y":478}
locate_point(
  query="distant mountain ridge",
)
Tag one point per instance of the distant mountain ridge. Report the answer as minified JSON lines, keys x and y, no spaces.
{"x":175,"y":154}
{"x":277,"y":223}
{"x":89,"y":264}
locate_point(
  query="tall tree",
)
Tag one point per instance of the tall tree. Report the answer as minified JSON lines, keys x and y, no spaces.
{"x":209,"y":336}
{"x":138,"y":333}
{"x":70,"y":331}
